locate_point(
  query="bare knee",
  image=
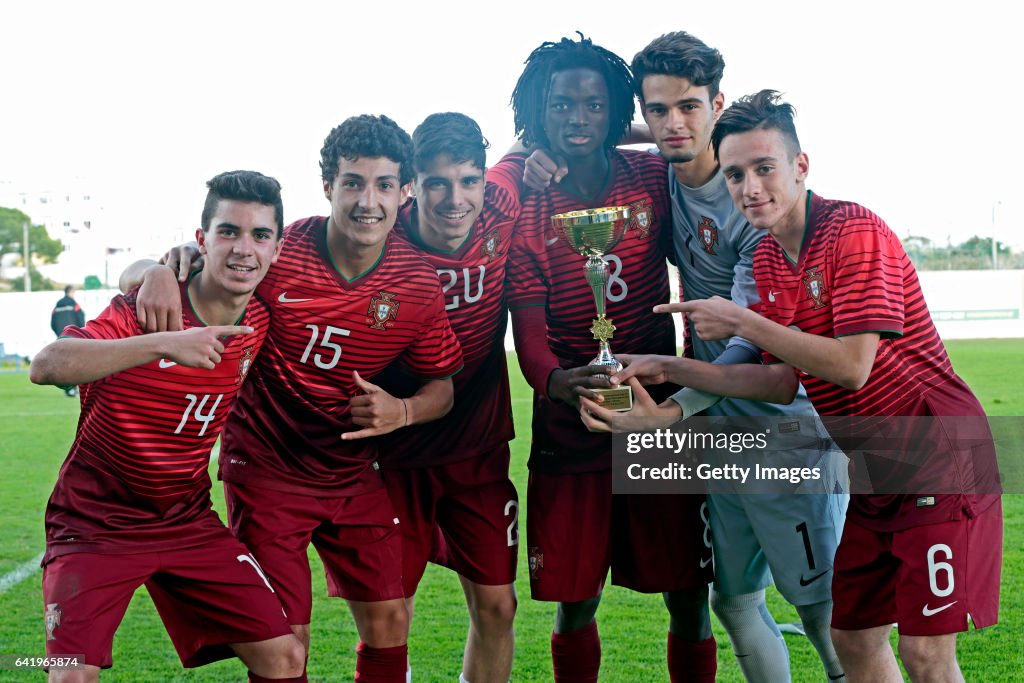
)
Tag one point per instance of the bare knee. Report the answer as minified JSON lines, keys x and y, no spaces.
{"x":572,"y":616}
{"x":381,"y":624}
{"x":280,"y":657}
{"x":928,"y":658}
{"x":860,"y":644}
{"x":87,"y":674}
{"x":293,"y":658}
{"x":689,"y":617}
{"x":494,"y":610}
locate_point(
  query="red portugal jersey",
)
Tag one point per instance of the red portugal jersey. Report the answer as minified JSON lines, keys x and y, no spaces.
{"x":136,"y":478}
{"x":285,"y":430}
{"x":853,"y":276}
{"x":473,"y":285}
{"x":543,"y":271}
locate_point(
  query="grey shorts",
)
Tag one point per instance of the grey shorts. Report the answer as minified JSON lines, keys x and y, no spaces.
{"x":790,"y":537}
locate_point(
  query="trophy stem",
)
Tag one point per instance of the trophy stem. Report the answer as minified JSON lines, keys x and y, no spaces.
{"x":597,"y":276}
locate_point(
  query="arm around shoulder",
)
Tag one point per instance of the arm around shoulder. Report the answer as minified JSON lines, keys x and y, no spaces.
{"x":431,"y":401}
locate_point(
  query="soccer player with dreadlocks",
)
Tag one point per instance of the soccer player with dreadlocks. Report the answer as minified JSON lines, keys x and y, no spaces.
{"x":576,"y":99}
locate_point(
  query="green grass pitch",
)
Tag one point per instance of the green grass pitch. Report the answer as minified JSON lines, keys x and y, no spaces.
{"x":36,"y":427}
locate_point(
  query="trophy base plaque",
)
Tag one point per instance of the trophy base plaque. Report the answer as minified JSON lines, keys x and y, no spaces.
{"x":619,"y":399}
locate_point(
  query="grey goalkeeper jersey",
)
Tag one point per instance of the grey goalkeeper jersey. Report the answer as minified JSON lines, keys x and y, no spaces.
{"x":714,"y":249}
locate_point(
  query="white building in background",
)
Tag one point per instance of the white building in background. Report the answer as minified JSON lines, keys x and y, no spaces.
{"x":74,"y":214}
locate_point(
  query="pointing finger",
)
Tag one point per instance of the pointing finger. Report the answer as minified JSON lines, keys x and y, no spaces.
{"x":230,"y":330}
{"x":678,"y":307}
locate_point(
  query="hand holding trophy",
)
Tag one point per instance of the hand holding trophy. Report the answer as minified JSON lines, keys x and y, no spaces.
{"x":593,"y":233}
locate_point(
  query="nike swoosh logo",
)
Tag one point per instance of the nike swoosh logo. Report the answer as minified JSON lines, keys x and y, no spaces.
{"x":552,"y":241}
{"x":808,"y":582}
{"x":929,"y":612}
{"x":164,"y":363}
{"x":285,"y":300}
{"x":771,"y":296}
{"x":704,"y":563}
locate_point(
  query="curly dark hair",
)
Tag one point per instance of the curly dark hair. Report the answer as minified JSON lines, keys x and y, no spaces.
{"x":530,"y":97}
{"x":366,"y":136}
{"x":763,"y":110}
{"x":243,"y":186}
{"x":452,"y":134}
{"x":682,"y":55}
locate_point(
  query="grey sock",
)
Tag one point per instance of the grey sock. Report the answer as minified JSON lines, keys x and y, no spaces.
{"x":760,"y":649}
{"x":816,"y":619}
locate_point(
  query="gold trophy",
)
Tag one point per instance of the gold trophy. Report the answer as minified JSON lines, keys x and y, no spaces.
{"x":593,"y":233}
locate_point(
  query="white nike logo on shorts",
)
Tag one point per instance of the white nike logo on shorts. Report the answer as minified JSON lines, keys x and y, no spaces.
{"x":929,"y":612}
{"x":552,"y":241}
{"x":771,"y":296}
{"x":164,"y":363}
{"x":285,"y":300}
{"x":704,"y":563}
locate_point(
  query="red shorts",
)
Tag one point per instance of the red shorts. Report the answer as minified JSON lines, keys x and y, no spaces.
{"x":357,"y":538}
{"x":451,"y":517}
{"x":928,"y":579}
{"x":576,"y":529}
{"x":208,"y":596}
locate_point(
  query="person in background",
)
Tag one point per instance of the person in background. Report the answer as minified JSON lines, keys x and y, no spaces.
{"x":67,"y":312}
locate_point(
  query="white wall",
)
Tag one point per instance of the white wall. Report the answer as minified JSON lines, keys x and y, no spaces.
{"x":25,"y":318}
{"x":966,"y":304}
{"x":975,"y":304}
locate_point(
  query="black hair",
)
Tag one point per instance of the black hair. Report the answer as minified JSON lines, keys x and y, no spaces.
{"x":366,"y":136}
{"x":451,"y":134}
{"x":762,"y":110}
{"x":530,"y":97}
{"x":682,"y":55}
{"x":243,"y":186}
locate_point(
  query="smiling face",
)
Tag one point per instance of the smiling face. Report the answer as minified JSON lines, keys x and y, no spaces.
{"x":449,"y":197}
{"x":765,"y":179}
{"x":680,"y":116}
{"x":576,"y":119}
{"x":240,"y":244}
{"x":365,"y":196}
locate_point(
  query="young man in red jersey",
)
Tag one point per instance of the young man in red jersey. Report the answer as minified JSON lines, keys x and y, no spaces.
{"x":450,"y":476}
{"x":841,"y":301}
{"x":576,"y":100}
{"x":132,"y":502}
{"x":348,"y":300}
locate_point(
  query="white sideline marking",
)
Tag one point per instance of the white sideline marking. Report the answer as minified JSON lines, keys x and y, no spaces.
{"x":26,"y":570}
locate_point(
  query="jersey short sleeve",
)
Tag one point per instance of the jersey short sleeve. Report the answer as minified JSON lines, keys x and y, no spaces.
{"x":117,"y":321}
{"x":868,"y":291}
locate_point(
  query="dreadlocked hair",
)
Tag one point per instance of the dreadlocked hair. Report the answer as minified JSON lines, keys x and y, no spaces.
{"x":530,"y":97}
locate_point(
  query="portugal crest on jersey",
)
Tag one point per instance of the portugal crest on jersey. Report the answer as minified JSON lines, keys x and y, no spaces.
{"x":708,"y":234}
{"x":814,"y":283}
{"x":536,"y":562}
{"x":53,"y":615}
{"x":492,"y":245}
{"x":641,"y":218}
{"x":383,"y":311}
{"x":245,"y":362}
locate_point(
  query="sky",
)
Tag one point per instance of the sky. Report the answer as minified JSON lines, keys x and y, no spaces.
{"x":903,"y":106}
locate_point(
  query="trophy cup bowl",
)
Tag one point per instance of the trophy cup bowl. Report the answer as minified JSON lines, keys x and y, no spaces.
{"x":593,"y":233}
